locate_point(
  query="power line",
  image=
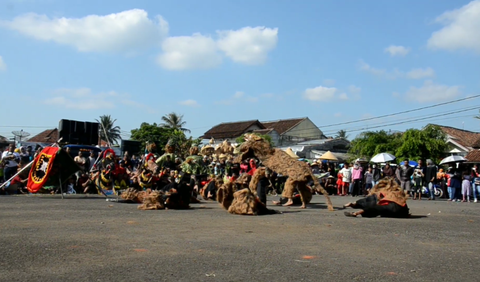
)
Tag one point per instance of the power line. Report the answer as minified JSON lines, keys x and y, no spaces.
{"x":403,"y":112}
{"x":403,"y":122}
{"x":459,"y":111}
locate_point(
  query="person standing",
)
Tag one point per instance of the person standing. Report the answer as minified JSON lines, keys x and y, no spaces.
{"x":11,"y":159}
{"x":91,"y":161}
{"x":377,"y":174}
{"x":475,"y":183}
{"x":406,"y":172}
{"x":346,"y":179}
{"x":430,"y":178}
{"x":466,"y":186}
{"x":418,"y":178}
{"x":388,"y":171}
{"x":357,"y":179}
{"x":80,"y":161}
{"x":368,"y":180}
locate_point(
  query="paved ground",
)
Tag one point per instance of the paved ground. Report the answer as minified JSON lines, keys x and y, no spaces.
{"x":88,"y":239}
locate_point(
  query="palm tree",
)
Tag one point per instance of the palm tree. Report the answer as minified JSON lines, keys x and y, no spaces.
{"x":341,"y":134}
{"x":106,"y":127}
{"x":173,"y":120}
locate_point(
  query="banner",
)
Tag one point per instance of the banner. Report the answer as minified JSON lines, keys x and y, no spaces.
{"x":41,"y":168}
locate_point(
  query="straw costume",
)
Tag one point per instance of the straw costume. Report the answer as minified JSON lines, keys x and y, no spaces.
{"x":386,"y":199}
{"x":299,"y":174}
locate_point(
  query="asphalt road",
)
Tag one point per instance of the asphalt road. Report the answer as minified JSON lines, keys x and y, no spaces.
{"x":45,"y":238}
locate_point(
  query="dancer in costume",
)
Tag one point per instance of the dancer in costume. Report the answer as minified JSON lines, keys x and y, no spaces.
{"x":194,"y":164}
{"x":386,"y":199}
{"x":169,"y":151}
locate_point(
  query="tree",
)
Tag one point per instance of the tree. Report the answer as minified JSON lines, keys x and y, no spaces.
{"x":342,"y":134}
{"x":182,"y":143}
{"x":370,"y":143}
{"x":427,"y":143}
{"x":107,"y":131}
{"x":174,"y":121}
{"x":477,"y":117}
{"x":148,"y":133}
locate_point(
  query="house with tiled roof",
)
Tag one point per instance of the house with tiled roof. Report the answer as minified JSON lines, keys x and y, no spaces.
{"x":283,"y":132}
{"x":46,"y":136}
{"x":231,"y":130}
{"x":463,"y":143}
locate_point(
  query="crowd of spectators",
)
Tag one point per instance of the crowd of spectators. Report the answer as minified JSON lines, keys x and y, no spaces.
{"x":460,"y":184}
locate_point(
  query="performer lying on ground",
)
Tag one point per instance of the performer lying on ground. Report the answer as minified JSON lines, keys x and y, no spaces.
{"x":386,"y":199}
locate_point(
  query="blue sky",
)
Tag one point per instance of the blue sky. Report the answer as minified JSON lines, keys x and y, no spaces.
{"x":220,"y":61}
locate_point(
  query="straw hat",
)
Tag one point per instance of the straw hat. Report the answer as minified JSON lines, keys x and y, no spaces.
{"x":290,"y":152}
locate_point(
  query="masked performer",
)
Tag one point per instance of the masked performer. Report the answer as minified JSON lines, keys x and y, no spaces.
{"x":194,"y":164}
{"x":386,"y":199}
{"x":169,"y":151}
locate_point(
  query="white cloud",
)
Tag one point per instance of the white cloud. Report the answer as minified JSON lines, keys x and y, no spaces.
{"x":126,"y":31}
{"x":397,"y":50}
{"x":354,"y":89}
{"x":189,"y":103}
{"x":320,"y":93}
{"x":248,"y":45}
{"x":420,"y":73}
{"x":3,"y":66}
{"x":189,"y":52}
{"x":343,"y":96}
{"x":461,"y":29}
{"x":366,"y":67}
{"x":238,"y":95}
{"x":431,"y":92}
{"x":85,"y":99}
{"x":394,"y":74}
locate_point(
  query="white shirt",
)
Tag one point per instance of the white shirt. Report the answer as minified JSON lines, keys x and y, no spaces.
{"x":347,"y":174}
{"x":12,"y":162}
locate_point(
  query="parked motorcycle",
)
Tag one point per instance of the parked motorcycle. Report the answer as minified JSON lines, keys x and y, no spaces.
{"x":437,"y":191}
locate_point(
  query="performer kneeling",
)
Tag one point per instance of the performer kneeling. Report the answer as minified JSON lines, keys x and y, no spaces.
{"x":386,"y":199}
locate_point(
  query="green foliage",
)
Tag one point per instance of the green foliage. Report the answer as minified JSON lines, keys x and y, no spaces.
{"x":152,"y":133}
{"x":182,"y":143}
{"x":341,"y":134}
{"x":427,"y":143}
{"x":174,"y":121}
{"x":268,"y":138}
{"x":107,"y":126}
{"x":161,"y":135}
{"x":371,"y":143}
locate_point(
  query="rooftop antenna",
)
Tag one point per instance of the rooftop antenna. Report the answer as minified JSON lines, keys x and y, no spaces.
{"x":20,"y":134}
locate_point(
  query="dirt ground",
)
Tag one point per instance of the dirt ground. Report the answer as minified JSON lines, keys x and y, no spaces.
{"x":45,"y":238}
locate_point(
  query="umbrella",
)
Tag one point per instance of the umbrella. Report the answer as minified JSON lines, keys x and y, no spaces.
{"x":382,"y":158}
{"x":290,"y":152}
{"x":412,"y":163}
{"x":453,"y":159}
{"x":361,"y":160}
{"x":329,"y":156}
